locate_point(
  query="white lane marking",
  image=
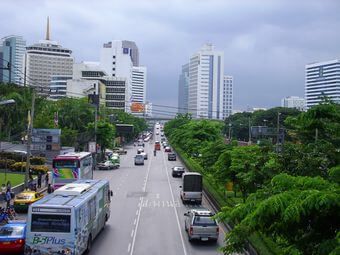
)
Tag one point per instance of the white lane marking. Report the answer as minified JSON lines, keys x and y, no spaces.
{"x":157,"y":195}
{"x":129,"y":247}
{"x":134,"y":223}
{"x":139,"y":211}
{"x":132,"y":232}
{"x":175,"y":209}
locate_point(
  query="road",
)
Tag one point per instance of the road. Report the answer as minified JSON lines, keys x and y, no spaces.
{"x":146,"y":210}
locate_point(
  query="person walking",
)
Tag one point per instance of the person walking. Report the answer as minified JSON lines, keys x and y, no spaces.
{"x":8,"y":198}
{"x":39,"y":180}
{"x":46,"y":179}
{"x":49,"y":189}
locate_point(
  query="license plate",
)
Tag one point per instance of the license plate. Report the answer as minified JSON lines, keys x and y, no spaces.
{"x":192,"y":200}
{"x":204,"y":238}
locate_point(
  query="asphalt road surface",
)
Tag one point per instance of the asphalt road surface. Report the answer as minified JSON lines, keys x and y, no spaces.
{"x":146,"y":210}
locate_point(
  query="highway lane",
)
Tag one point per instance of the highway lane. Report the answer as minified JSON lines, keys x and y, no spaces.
{"x":147,"y":213}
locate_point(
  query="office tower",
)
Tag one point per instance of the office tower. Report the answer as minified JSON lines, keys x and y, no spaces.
{"x":293,"y":102}
{"x":183,"y":89}
{"x":322,"y":80}
{"x":13,"y":50}
{"x":45,"y":59}
{"x":227,"y":96}
{"x":205,"y":98}
{"x":138,"y":84}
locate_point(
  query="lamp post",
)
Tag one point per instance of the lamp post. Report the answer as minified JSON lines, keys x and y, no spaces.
{"x":229,"y":131}
{"x":278,"y":131}
{"x":249,"y":131}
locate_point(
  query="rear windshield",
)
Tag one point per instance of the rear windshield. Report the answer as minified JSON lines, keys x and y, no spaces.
{"x":204,"y":221}
{"x":65,"y":163}
{"x":139,"y":156}
{"x":51,"y":223}
{"x":11,"y":231}
{"x":192,"y":183}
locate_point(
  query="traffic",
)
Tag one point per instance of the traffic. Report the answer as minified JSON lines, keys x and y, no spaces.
{"x":169,"y":212}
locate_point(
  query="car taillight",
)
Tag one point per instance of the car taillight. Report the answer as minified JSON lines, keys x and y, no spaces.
{"x":19,"y":241}
{"x":191,"y":230}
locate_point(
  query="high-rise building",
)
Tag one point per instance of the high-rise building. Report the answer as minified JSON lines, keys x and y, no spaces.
{"x":183,"y":89}
{"x":206,"y":68}
{"x":133,"y":50}
{"x":227,"y":96}
{"x":13,"y":50}
{"x":45,"y":59}
{"x":293,"y":102}
{"x":322,"y":80}
{"x":138,"y":84}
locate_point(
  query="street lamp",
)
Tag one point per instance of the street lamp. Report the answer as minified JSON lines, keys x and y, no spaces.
{"x":230,"y":131}
{"x":278,"y":131}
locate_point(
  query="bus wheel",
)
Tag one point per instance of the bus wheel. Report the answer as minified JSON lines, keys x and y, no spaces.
{"x":89,"y":244}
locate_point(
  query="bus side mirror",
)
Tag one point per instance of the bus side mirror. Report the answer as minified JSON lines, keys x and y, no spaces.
{"x":111,"y":193}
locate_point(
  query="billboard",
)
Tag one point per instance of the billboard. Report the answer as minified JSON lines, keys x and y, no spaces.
{"x":137,"y":107}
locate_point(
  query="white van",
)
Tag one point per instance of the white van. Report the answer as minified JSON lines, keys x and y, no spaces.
{"x":191,"y":189}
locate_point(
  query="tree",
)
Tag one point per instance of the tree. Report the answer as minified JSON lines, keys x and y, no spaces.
{"x":105,"y":134}
{"x":300,"y":213}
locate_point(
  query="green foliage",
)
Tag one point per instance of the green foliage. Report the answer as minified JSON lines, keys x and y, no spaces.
{"x":301,"y":213}
{"x":105,"y":134}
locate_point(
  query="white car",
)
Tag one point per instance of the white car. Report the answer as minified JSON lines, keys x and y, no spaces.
{"x":144,"y":154}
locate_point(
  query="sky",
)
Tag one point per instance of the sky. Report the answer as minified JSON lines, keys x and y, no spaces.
{"x":266,"y":43}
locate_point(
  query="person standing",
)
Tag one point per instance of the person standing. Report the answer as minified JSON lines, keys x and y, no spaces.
{"x":8,"y":198}
{"x":46,"y":179}
{"x":49,"y":189}
{"x":39,"y":180}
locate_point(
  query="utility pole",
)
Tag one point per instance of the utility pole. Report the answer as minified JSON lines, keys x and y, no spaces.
{"x":29,"y":139}
{"x":229,"y":132}
{"x":278,"y":131}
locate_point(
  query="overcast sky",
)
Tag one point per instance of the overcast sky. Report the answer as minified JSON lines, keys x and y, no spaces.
{"x":266,"y":44}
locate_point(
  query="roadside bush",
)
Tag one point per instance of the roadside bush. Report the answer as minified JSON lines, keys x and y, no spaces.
{"x":21,"y":166}
{"x":6,"y":163}
{"x":38,"y":160}
{"x":18,"y":166}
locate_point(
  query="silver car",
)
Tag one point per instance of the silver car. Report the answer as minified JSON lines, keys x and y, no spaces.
{"x":200,"y":225}
{"x":139,"y":159}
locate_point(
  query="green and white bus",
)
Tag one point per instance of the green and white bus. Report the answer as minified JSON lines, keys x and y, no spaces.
{"x":66,"y":221}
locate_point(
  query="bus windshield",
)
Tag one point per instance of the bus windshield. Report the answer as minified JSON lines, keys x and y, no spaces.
{"x":65,"y":163}
{"x":51,"y":223}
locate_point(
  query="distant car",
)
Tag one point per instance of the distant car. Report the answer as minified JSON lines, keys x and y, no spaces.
{"x":165,"y":144}
{"x":12,"y":238}
{"x":157,"y":133}
{"x":200,"y":225}
{"x":172,"y":156}
{"x":167,"y":149}
{"x":25,"y":198}
{"x":120,"y":151}
{"x":107,"y":165}
{"x":139,"y":159}
{"x":177,"y":171}
{"x":140,"y":150}
{"x":145,"y":155}
{"x":140,"y":143}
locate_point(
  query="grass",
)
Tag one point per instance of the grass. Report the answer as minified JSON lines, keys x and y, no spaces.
{"x":15,"y":179}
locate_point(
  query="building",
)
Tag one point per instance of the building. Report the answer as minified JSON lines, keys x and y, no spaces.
{"x":227,"y":96}
{"x":322,"y":80}
{"x":13,"y":51}
{"x":183,"y":89}
{"x":293,"y":102}
{"x":148,"y":109}
{"x":205,"y":93}
{"x":58,"y":85}
{"x":138,"y":84}
{"x":89,"y":78}
{"x":44,"y":59}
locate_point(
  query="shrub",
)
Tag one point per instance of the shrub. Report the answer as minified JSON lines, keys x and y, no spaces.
{"x":38,"y":160}
{"x":18,"y":166}
{"x":6,"y":163}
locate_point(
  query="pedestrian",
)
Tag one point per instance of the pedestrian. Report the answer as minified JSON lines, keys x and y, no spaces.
{"x":3,"y":191}
{"x":8,"y":198}
{"x":49,"y":189}
{"x":46,"y":179}
{"x":39,"y":180}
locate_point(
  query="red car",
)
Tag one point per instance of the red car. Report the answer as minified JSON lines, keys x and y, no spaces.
{"x":12,"y":238}
{"x":167,"y":149}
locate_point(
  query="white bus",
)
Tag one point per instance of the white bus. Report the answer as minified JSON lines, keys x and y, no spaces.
{"x":71,"y":167}
{"x":66,"y":221}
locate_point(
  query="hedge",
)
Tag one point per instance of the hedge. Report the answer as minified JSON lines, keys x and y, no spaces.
{"x":18,"y":166}
{"x":5,"y":163}
{"x":35,"y":160}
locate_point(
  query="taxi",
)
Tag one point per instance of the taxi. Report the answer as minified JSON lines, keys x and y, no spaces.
{"x":25,"y":198}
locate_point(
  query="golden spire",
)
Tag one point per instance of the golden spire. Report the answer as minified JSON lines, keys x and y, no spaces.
{"x":48,"y":29}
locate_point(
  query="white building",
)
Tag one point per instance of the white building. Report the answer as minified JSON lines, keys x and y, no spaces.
{"x":44,"y":59}
{"x":205,"y":97}
{"x":293,"y":102}
{"x":322,"y":80}
{"x":227,"y":96}
{"x":138,"y":84}
{"x":58,"y":86}
{"x":183,"y":89}
{"x":13,"y":51}
{"x":148,"y":109}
